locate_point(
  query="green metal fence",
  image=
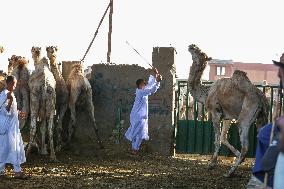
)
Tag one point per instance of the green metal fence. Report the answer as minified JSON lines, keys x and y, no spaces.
{"x":195,"y":134}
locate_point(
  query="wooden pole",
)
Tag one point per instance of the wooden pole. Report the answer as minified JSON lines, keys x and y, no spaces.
{"x":110,"y":31}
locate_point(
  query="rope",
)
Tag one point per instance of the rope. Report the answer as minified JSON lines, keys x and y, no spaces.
{"x":96,"y":33}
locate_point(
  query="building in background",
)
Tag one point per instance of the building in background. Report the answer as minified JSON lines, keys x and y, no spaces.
{"x":256,"y":72}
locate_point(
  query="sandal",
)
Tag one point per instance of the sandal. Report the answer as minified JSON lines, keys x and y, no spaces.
{"x":21,"y":176}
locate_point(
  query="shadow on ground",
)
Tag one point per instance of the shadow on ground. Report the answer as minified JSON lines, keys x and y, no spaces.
{"x":117,"y":169}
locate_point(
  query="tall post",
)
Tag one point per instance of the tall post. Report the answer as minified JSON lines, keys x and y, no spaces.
{"x":110,"y":31}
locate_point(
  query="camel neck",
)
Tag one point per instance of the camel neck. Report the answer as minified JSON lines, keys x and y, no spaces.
{"x":55,"y":71}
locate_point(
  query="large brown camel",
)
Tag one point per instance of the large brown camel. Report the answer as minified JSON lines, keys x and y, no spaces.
{"x":80,"y":92}
{"x":42,"y":103}
{"x":61,"y":92}
{"x":228,"y":98}
{"x":18,"y":67}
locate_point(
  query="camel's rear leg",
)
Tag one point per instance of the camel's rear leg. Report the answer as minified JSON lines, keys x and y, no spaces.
{"x":246,"y":119}
{"x":90,"y":109}
{"x":216,"y":118}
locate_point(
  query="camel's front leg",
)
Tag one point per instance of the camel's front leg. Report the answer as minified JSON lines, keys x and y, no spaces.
{"x":32,"y":133}
{"x":216,"y":124}
{"x":246,"y":119}
{"x":43,"y":150}
{"x":62,"y":112}
{"x":50,"y":134}
{"x":74,"y":94}
{"x":25,"y":107}
{"x":224,"y":138}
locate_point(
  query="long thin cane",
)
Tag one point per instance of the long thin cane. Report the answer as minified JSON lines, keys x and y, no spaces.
{"x":277,"y":114}
{"x":146,"y":61}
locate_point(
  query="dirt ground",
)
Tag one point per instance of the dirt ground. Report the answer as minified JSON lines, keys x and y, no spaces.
{"x":117,"y":169}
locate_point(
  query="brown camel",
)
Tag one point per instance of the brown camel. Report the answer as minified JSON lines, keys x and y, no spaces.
{"x":80,"y":94}
{"x":18,"y":68}
{"x":61,"y":92}
{"x":42,"y":103}
{"x":228,"y":98}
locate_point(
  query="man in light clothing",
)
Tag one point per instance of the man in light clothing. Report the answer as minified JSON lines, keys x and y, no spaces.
{"x":11,"y":143}
{"x":138,"y":130}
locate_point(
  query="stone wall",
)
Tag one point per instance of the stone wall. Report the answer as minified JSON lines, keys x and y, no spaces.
{"x":113,"y":84}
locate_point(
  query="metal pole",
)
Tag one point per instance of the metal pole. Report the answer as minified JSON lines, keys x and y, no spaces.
{"x":109,"y":31}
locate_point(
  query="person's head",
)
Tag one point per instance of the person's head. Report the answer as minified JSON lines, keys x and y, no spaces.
{"x":140,"y":83}
{"x":11,"y":82}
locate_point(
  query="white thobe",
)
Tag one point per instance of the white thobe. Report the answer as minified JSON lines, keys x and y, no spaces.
{"x":11,"y":143}
{"x":138,"y":130}
{"x":279,"y":172}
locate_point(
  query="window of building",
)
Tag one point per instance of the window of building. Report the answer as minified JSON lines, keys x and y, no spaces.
{"x":220,"y":70}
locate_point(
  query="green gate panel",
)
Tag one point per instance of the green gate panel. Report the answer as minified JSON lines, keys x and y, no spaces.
{"x":181,"y":144}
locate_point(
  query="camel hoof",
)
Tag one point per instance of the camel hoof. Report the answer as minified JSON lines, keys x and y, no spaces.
{"x":44,"y":152}
{"x":58,"y":148}
{"x":212,"y":165}
{"x":53,"y":160}
{"x":227,"y":175}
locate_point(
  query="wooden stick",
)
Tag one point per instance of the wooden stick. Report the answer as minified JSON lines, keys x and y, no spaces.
{"x":96,"y":33}
{"x":109,"y":31}
{"x":276,"y":114}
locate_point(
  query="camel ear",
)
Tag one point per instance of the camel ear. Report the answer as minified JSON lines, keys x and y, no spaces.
{"x":46,"y":48}
{"x":33,"y":48}
{"x":56,"y":48}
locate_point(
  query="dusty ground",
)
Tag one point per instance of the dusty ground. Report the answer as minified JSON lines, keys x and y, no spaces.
{"x":117,"y":169}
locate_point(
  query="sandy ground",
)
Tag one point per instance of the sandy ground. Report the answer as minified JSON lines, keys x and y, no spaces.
{"x":118,"y":169}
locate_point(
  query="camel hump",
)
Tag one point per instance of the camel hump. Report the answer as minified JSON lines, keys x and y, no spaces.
{"x":241,"y":80}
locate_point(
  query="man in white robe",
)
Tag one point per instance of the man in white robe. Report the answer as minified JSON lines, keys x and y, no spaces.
{"x":11,"y":143}
{"x":138,"y":130}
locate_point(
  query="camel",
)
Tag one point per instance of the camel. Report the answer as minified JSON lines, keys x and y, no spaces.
{"x":227,"y":99}
{"x":3,"y":76}
{"x":18,"y":68}
{"x":61,"y":92}
{"x":80,"y":93}
{"x":36,"y":55}
{"x":42,"y":103}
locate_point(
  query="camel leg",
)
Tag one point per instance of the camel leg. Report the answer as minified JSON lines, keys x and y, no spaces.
{"x":50,"y":134}
{"x":62,"y":112}
{"x":34,"y":111}
{"x":246,"y":119}
{"x":32,"y":133}
{"x":216,"y":124}
{"x":25,"y":106}
{"x":224,"y":138}
{"x":74,"y":94}
{"x":90,"y":109}
{"x":43,"y":135}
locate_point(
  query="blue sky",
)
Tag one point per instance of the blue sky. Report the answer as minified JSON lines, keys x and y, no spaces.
{"x":243,"y":30}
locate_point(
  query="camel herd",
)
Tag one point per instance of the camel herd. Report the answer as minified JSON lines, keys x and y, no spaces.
{"x":45,"y":96}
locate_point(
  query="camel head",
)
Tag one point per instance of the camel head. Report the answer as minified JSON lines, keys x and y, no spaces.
{"x":1,"y":49}
{"x":198,"y":66}
{"x":51,"y":53}
{"x":13,"y":63}
{"x":198,"y":54}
